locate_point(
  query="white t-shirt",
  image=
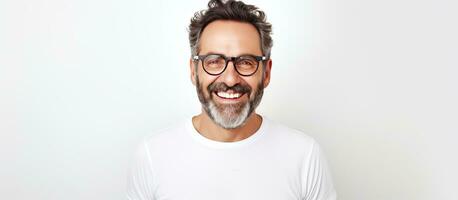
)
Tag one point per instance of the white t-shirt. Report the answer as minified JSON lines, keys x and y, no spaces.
{"x":275,"y":163}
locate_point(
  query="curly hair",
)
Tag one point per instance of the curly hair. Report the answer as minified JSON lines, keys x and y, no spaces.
{"x":230,"y":10}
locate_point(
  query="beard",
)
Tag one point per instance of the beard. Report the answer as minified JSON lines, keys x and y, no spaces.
{"x":229,"y":116}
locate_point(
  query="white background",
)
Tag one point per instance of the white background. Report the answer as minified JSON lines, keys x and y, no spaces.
{"x":81,"y":82}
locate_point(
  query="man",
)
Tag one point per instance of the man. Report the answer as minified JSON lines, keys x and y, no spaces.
{"x":228,"y":152}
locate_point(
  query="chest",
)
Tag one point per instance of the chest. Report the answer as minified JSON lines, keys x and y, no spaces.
{"x":227,"y":175}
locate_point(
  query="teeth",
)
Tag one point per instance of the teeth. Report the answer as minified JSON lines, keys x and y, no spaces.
{"x":229,"y":95}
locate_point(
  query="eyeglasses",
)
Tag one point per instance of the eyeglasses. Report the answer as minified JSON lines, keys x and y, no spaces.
{"x":216,"y":64}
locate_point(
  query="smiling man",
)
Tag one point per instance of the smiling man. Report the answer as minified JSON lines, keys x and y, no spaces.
{"x":228,"y":151}
{"x":230,"y":73}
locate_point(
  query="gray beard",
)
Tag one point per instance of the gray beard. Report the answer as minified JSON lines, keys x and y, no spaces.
{"x":230,"y":116}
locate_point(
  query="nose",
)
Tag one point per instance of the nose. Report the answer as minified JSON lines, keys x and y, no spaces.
{"x":230,"y":76}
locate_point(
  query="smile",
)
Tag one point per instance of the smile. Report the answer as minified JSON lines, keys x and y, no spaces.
{"x":227,"y":95}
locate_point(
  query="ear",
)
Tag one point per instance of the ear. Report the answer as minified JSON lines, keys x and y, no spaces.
{"x":267,"y":73}
{"x":192,"y":70}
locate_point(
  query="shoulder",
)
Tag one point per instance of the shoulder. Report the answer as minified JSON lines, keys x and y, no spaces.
{"x":167,"y":137}
{"x":282,"y":134}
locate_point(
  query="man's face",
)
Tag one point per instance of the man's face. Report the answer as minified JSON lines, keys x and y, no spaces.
{"x":229,"y":98}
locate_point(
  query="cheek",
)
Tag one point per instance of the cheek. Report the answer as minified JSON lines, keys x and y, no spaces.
{"x":254,"y":81}
{"x":204,"y":81}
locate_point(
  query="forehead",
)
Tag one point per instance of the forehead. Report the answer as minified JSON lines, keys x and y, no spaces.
{"x":230,"y":38}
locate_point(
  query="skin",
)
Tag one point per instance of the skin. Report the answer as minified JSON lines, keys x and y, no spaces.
{"x":230,"y":38}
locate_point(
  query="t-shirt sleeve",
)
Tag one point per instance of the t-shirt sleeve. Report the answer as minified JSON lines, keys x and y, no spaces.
{"x":140,"y":178}
{"x":316,"y":177}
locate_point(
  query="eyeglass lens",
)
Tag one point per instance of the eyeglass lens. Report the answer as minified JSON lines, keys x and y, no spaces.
{"x":215,"y":64}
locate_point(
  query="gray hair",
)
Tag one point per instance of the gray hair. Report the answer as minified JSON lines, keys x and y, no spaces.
{"x":230,"y":10}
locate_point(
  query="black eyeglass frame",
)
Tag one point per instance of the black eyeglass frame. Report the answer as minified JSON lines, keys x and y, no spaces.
{"x":227,"y":59}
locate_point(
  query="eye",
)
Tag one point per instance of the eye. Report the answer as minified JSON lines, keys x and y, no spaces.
{"x":213,"y":61}
{"x":246,"y":62}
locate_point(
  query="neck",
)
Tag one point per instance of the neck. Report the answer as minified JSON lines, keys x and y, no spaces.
{"x":209,"y":129}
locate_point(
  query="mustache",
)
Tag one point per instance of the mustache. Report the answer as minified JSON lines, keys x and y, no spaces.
{"x":217,"y":87}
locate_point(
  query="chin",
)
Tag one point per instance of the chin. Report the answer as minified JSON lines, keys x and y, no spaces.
{"x":228,"y":118}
